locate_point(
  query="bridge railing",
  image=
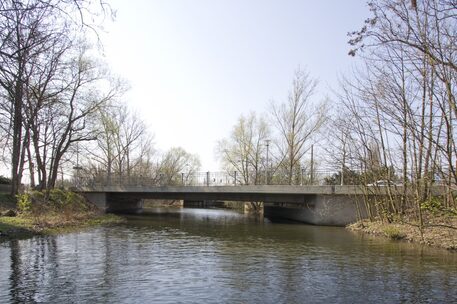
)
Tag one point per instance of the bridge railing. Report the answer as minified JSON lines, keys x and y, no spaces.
{"x":218,"y":178}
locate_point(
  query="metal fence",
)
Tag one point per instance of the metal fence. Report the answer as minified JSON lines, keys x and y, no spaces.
{"x":218,"y":178}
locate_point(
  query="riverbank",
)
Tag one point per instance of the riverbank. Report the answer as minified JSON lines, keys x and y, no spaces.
{"x":65,"y":212}
{"x":439,"y":232}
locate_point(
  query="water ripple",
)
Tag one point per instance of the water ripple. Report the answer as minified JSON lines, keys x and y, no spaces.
{"x":210,"y":256}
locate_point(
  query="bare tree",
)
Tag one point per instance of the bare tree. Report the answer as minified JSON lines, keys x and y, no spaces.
{"x":297,"y":122}
{"x":245,"y":150}
{"x":404,"y":100}
{"x":176,"y":162}
{"x":123,"y":147}
{"x":29,"y":29}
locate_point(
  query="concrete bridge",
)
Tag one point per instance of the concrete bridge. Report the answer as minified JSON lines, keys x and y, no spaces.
{"x":323,"y":205}
{"x":313,"y":204}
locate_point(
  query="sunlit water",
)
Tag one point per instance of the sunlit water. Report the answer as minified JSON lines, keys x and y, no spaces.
{"x":216,"y":256}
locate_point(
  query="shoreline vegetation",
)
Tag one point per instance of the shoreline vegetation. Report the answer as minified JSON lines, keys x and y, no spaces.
{"x":440,"y":232}
{"x":55,"y":212}
{"x":60,"y":211}
{"x":421,"y":212}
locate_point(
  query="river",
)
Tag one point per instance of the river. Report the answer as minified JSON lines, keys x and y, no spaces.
{"x":220,"y":256}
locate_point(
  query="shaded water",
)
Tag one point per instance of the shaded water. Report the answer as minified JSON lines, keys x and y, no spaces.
{"x":217,"y":256}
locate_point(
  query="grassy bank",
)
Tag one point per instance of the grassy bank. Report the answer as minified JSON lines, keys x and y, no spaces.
{"x":440,"y":231}
{"x":57,"y":212}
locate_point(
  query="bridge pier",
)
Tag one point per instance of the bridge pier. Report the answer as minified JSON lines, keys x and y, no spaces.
{"x":97,"y":198}
{"x":319,"y":205}
{"x":125,"y":205}
{"x":115,"y":203}
{"x":328,"y":210}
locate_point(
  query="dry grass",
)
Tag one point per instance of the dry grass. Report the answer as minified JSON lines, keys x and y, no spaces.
{"x":437,"y":232}
{"x":63,"y":212}
{"x":26,"y":225}
{"x":54,"y":219}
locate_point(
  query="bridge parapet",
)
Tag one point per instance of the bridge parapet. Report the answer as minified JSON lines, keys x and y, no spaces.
{"x":230,"y":182}
{"x":199,"y":179}
{"x":258,"y":189}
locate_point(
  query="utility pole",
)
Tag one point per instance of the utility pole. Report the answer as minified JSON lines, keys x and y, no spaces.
{"x":268,"y":168}
{"x":77,"y":167}
{"x":344,"y":159}
{"x":312,"y":165}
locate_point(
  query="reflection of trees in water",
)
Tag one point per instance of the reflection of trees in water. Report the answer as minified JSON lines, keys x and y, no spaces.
{"x":16,"y":273}
{"x":33,"y":269}
{"x":230,"y":259}
{"x":109,"y":270}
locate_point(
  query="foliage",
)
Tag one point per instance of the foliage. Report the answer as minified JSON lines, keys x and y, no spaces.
{"x":55,"y":201}
{"x":378,"y":173}
{"x":350,"y":177}
{"x":297,"y":121}
{"x":5,"y":180}
{"x":245,"y":150}
{"x":175,"y":162}
{"x":24,"y":202}
{"x":61,"y":199}
{"x":50,"y":83}
{"x":393,"y":233}
{"x":398,"y":111}
{"x":436,"y":206}
{"x":123,"y":146}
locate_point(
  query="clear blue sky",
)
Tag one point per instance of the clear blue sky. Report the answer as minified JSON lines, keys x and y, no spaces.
{"x":194,"y":66}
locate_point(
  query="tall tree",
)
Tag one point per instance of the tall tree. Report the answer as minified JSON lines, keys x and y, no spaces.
{"x":245,"y":150}
{"x":123,"y":145}
{"x":176,"y":162}
{"x":29,"y":29}
{"x":298,"y":120}
{"x":403,"y":101}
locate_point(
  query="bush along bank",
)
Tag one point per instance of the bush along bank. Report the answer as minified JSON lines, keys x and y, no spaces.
{"x":437,"y":229}
{"x":51,"y":212}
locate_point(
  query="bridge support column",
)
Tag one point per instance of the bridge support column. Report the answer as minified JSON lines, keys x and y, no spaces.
{"x":109,"y":202}
{"x":124,"y":204}
{"x":329,"y":210}
{"x":98,"y":199}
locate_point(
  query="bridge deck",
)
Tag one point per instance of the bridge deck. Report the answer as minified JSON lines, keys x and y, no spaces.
{"x":245,"y":189}
{"x":265,"y":193}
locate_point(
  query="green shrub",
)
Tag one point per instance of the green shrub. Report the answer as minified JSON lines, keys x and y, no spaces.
{"x":56,"y":200}
{"x":436,"y":206}
{"x":5,"y":180}
{"x":24,"y":202}
{"x":393,"y":233}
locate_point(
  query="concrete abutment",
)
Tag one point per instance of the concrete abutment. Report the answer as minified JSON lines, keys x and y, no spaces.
{"x":317,"y":209}
{"x":113,"y":203}
{"x":329,"y":210}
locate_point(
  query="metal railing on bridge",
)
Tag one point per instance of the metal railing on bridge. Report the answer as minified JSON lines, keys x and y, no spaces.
{"x":219,"y":178}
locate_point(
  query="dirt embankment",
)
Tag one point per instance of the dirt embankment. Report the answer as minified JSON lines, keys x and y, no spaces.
{"x":65,"y":212}
{"x":439,"y":231}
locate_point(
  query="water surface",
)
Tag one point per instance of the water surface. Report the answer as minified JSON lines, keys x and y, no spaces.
{"x":218,"y":256}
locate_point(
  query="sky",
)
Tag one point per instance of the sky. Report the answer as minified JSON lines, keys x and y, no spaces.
{"x":195,"y":66}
